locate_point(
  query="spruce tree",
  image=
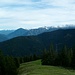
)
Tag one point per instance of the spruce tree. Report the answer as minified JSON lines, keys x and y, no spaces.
{"x":44,"y":57}
{"x":11,"y":68}
{"x":73,"y":59}
{"x":52,"y":55}
{"x":2,"y":64}
{"x":69,"y":57}
{"x":17,"y":62}
{"x":63,"y":57}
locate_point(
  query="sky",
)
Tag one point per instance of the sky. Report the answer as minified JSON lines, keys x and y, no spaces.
{"x":31,"y":14}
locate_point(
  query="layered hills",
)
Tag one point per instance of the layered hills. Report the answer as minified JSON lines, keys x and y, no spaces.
{"x":23,"y":32}
{"x":28,"y":45}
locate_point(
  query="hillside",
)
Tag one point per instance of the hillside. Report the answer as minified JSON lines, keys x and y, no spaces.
{"x":35,"y":68}
{"x":59,"y":37}
{"x":3,"y":37}
{"x":21,"y":46}
{"x":18,"y":32}
{"x":28,"y":45}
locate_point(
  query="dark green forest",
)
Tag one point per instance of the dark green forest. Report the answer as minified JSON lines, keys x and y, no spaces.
{"x":29,"y":45}
{"x":65,"y":57}
{"x":9,"y":65}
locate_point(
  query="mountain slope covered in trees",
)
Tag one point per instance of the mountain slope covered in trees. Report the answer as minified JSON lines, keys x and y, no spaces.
{"x":26,"y":45}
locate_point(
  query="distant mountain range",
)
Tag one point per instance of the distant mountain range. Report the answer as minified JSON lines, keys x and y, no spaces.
{"x":9,"y":34}
{"x":24,"y":32}
{"x":6,"y":32}
{"x":28,"y":45}
{"x":18,"y":32}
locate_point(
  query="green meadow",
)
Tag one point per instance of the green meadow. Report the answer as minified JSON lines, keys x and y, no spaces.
{"x":35,"y":68}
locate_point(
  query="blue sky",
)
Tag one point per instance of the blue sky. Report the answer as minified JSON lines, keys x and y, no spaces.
{"x":30,"y":14}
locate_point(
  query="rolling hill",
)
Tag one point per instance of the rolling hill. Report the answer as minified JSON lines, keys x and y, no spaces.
{"x":28,"y":45}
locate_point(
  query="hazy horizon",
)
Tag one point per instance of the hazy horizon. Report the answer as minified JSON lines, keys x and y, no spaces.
{"x":30,"y":14}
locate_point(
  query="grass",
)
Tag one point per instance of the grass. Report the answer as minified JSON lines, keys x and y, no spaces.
{"x":35,"y":68}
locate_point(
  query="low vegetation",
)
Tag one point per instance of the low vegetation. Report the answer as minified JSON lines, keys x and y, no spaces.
{"x":35,"y":68}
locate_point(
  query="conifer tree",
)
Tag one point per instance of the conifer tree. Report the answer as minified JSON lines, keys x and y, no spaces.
{"x":17,"y":62}
{"x":2,"y":64}
{"x":49,"y":56}
{"x":69,"y":57}
{"x":73,"y":59}
{"x":52,"y":55}
{"x":44,"y":57}
{"x":11,"y":68}
{"x":63,"y":57}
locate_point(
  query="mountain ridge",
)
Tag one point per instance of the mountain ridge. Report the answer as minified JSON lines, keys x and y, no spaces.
{"x":24,"y":32}
{"x":28,"y":45}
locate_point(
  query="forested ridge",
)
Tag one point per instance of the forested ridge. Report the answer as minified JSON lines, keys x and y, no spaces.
{"x":29,"y":45}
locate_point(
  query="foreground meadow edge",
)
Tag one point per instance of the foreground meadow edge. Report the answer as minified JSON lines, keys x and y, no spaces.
{"x":35,"y":68}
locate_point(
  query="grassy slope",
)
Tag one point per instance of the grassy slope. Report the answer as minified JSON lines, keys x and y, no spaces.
{"x":35,"y":68}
